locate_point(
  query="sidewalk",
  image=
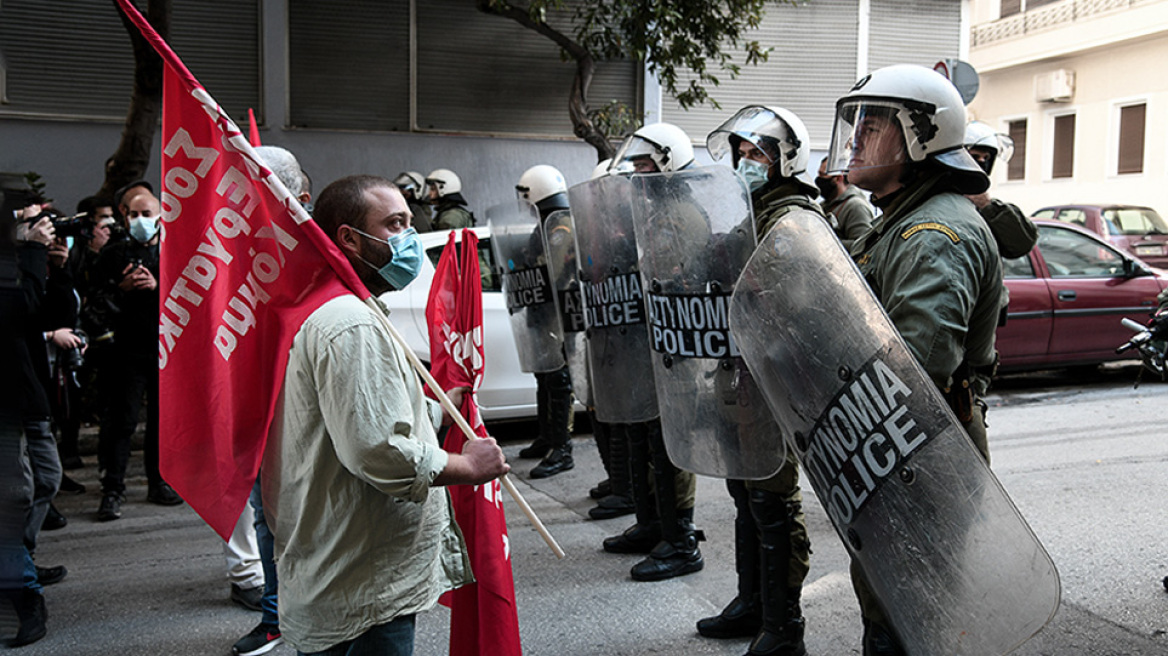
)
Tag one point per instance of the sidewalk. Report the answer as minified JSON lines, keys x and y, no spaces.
{"x":153,"y":581}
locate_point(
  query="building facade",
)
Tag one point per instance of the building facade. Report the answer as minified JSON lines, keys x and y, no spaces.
{"x":1079,"y":85}
{"x":384,"y":86}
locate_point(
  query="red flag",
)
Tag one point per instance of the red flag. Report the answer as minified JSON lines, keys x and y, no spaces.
{"x":253,"y":130}
{"x":242,"y":266}
{"x":483,"y":618}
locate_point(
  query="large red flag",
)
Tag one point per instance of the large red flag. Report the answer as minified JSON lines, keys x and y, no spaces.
{"x":483,"y":617}
{"x":242,"y":266}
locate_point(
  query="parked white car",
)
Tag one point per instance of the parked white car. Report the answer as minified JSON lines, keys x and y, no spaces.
{"x":506,"y":392}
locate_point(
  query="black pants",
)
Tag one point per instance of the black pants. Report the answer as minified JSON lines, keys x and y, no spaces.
{"x":126,"y":381}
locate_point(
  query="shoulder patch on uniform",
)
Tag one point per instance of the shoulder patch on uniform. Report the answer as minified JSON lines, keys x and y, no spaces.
{"x":943,"y":229}
{"x":864,"y":259}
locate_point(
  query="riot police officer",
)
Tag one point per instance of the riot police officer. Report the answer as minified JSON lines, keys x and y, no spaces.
{"x":411,"y":184}
{"x":930,"y":259}
{"x":444,"y":190}
{"x":664,"y":529}
{"x":1015,"y":233}
{"x":543,"y":187}
{"x":769,"y":147}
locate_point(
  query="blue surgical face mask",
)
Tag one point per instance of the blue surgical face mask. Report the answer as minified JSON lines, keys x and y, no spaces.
{"x":406,"y":261}
{"x":143,"y":228}
{"x":754,"y":173}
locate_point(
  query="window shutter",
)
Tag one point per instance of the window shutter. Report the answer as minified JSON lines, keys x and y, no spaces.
{"x":1017,"y":166}
{"x":1131,"y":138}
{"x":913,"y":32}
{"x":1063,"y":165}
{"x":812,"y":63}
{"x":349,"y":64}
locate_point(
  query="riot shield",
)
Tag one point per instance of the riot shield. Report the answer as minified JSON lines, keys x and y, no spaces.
{"x":614,"y":308}
{"x":517,"y":239}
{"x":561,"y":254}
{"x":953,"y":563}
{"x":695,"y":232}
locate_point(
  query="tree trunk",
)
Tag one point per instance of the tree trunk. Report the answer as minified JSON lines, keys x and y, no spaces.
{"x":132,"y":157}
{"x":582,"y":126}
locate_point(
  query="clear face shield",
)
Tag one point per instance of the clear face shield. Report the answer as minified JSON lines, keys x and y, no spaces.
{"x":750,"y":123}
{"x":638,"y":155}
{"x":867,"y":138}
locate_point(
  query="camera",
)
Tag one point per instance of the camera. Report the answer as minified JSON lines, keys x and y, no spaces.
{"x":77,"y":225}
{"x":72,"y":359}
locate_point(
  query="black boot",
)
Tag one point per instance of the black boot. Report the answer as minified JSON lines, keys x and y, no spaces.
{"x":602,"y":489}
{"x":53,"y":519}
{"x":782,"y":618}
{"x":31,"y":611}
{"x":675,"y":555}
{"x":742,"y":617}
{"x":559,"y":460}
{"x":619,"y":501}
{"x":556,"y":413}
{"x":638,"y":538}
{"x":537,"y":449}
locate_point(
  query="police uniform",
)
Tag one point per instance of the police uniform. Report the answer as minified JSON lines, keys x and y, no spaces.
{"x":853,"y":214}
{"x":771,"y":549}
{"x":935,"y":268}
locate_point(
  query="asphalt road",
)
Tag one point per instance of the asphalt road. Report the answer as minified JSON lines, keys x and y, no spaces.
{"x":1082,"y":455}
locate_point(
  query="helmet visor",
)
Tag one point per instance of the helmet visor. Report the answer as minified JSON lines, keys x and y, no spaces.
{"x":750,"y":123}
{"x":638,"y":155}
{"x":867,"y":137}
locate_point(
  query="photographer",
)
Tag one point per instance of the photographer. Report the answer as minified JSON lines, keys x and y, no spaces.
{"x":127,"y":279}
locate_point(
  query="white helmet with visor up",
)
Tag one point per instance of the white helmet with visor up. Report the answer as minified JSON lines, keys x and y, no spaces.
{"x":776,"y":131}
{"x":981,"y":135}
{"x":539,"y":183}
{"x":667,"y":145}
{"x":924,"y":109}
{"x":443,"y":180}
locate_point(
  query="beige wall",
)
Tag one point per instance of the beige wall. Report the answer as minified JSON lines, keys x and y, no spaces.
{"x":1107,"y":77}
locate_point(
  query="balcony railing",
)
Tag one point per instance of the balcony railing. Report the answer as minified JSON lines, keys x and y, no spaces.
{"x":1047,"y":17}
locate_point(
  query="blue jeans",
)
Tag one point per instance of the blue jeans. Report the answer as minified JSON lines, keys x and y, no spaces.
{"x":267,"y":543}
{"x":395,"y":638}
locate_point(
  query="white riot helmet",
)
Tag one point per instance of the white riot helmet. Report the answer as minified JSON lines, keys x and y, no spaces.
{"x":410,"y":181}
{"x":444,"y":181}
{"x":777,"y":132}
{"x":666,"y":144}
{"x":601,"y":169}
{"x":926,"y":109}
{"x":981,"y":135}
{"x":544,"y":187}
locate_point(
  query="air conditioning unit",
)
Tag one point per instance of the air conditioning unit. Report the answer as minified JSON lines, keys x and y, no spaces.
{"x":1054,"y":86}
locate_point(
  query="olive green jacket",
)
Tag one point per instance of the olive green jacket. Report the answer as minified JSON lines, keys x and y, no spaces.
{"x":934,"y":266}
{"x":853,"y":214}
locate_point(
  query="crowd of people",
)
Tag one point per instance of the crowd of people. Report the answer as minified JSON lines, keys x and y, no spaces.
{"x":345,"y":539}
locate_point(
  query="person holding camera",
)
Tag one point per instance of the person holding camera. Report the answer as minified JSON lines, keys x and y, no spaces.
{"x":127,"y":279}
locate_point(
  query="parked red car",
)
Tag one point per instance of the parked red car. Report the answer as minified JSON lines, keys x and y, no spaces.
{"x":1067,"y":298}
{"x":1135,"y":229}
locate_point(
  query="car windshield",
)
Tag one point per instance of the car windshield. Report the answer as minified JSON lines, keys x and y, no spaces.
{"x":487,"y":268}
{"x":1134,"y":221}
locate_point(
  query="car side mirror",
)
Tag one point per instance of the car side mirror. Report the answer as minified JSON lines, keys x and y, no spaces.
{"x":1133,"y":269}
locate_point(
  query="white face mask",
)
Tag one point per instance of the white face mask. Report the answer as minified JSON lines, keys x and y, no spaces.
{"x":143,"y":228}
{"x":754,"y":173}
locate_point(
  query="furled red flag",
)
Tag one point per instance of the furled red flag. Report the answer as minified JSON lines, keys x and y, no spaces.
{"x":483,"y":617}
{"x":253,"y":130}
{"x":242,"y":266}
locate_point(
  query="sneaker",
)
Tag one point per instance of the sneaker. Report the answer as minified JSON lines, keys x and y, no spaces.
{"x":164,"y":495}
{"x":111,"y":507}
{"x":249,"y":598}
{"x":261,"y":640}
{"x":51,"y":575}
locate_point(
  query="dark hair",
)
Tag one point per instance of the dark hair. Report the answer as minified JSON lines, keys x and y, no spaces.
{"x":89,"y":204}
{"x":343,"y":202}
{"x":122,"y":192}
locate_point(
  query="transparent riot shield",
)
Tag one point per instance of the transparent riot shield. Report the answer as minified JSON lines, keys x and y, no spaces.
{"x":695,"y":232}
{"x":561,"y":254}
{"x":953,"y":563}
{"x":614,"y":304}
{"x":517,"y":239}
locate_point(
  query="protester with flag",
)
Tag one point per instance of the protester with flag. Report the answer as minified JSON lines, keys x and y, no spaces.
{"x":362,"y":543}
